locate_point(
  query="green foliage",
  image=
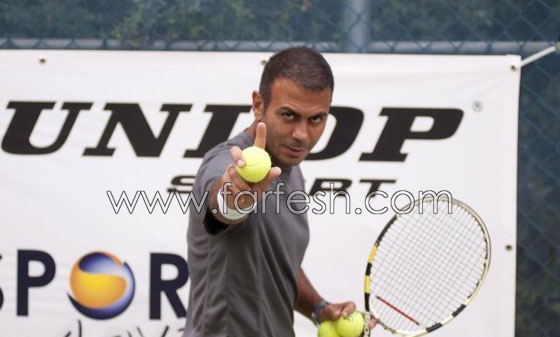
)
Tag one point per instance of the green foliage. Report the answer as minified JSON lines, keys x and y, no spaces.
{"x":138,"y":22}
{"x":60,"y":18}
{"x":251,"y":20}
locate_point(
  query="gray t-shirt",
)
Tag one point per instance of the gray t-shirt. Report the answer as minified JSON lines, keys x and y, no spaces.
{"x":244,"y":277}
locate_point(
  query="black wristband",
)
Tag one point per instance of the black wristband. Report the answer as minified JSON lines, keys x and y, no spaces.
{"x":317,"y":311}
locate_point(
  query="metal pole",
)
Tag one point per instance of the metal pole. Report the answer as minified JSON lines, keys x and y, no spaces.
{"x":539,"y":55}
{"x":355,"y":23}
{"x":409,"y":47}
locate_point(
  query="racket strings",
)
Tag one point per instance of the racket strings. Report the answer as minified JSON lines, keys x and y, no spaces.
{"x":435,"y":282}
{"x":448,"y":293}
{"x":398,"y":279}
{"x":427,"y":265}
{"x":427,"y":279}
{"x":419,"y":259}
{"x":476,"y":251}
{"x":450,"y":297}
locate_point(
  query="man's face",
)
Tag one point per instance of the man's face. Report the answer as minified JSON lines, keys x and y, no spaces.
{"x":295,"y":119}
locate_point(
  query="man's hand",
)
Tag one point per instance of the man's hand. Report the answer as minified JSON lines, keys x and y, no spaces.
{"x":239,"y":185}
{"x":334,"y":311}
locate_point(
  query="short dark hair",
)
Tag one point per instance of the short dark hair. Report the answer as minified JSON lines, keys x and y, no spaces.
{"x":302,"y":65}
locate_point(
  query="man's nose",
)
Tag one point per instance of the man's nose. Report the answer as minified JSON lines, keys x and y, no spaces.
{"x":300,"y":132}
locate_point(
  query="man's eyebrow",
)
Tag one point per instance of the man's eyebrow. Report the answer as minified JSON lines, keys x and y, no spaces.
{"x":287,"y":109}
{"x":320,"y":114}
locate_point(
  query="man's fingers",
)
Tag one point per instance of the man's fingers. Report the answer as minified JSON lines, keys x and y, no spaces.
{"x":260,"y":135}
{"x":236,"y":179}
{"x":272,"y":174}
{"x":237,"y":156}
{"x":236,"y":185}
{"x":331,"y":312}
{"x":348,"y":308}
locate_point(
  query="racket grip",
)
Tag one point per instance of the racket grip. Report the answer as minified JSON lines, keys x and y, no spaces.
{"x":367,"y":318}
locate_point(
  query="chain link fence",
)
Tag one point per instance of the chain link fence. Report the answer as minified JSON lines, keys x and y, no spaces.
{"x":371,"y":26}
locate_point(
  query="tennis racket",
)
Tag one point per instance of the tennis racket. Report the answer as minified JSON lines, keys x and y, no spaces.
{"x":425,"y":267}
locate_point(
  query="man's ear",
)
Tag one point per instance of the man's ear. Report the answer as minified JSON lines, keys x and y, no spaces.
{"x":258,"y":105}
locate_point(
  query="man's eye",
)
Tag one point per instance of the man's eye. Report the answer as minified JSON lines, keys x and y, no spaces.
{"x":316,"y":119}
{"x":288,"y":115}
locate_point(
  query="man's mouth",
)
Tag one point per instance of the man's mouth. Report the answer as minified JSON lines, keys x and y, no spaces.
{"x":295,"y":151}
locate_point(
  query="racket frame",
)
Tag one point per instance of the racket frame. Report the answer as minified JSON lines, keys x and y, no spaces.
{"x":370,"y":312}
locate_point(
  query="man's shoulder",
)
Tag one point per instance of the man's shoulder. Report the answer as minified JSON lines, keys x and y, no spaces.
{"x":242,"y":140}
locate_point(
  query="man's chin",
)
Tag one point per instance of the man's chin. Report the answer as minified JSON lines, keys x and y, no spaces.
{"x":288,"y":162}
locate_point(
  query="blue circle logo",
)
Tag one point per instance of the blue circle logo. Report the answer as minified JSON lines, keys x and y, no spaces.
{"x":102,"y":286}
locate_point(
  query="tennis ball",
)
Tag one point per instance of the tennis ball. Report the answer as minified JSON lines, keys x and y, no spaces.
{"x":351,"y":326}
{"x":327,"y":329}
{"x":257,"y":164}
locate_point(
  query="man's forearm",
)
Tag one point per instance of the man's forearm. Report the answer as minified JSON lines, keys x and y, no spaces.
{"x":308,"y":297}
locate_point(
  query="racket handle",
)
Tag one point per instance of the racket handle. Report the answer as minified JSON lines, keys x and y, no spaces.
{"x":367,"y":318}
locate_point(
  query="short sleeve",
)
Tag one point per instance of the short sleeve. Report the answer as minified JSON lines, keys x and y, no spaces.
{"x":213,"y":166}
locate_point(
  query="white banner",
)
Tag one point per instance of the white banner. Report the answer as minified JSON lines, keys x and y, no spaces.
{"x":79,"y":128}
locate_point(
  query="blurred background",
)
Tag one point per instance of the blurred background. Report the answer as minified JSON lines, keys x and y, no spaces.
{"x":487,"y":27}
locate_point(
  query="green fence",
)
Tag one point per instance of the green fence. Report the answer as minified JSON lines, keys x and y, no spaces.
{"x":375,"y":26}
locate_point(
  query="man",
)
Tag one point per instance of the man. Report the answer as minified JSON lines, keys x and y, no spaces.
{"x":246,"y":276}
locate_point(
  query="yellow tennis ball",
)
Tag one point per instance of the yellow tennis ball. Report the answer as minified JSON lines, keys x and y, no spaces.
{"x":351,"y":326}
{"x":257,"y":164}
{"x":327,"y":329}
